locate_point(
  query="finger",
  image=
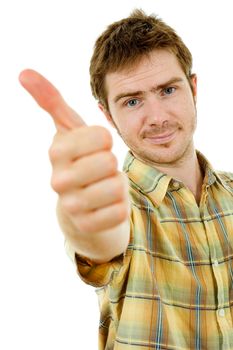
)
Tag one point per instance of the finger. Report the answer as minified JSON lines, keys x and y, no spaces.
{"x":99,"y":195}
{"x":84,"y":172}
{"x":103,"y":219}
{"x":50,"y":99}
{"x":68,"y":147}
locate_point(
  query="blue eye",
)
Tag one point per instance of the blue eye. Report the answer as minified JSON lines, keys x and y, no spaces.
{"x":132,"y":103}
{"x":169,"y":90}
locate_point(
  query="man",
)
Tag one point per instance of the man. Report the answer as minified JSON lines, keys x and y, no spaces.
{"x":158,"y":245}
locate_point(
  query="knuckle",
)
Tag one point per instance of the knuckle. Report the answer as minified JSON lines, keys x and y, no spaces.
{"x":104,"y":135}
{"x":70,"y":204}
{"x":55,"y":183}
{"x":86,"y":225}
{"x":122,"y":211}
{"x":110,"y":162}
{"x":118,"y":189}
{"x":59,"y":182}
{"x":55,"y":153}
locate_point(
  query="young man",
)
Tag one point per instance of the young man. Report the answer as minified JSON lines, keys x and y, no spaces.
{"x":159,"y":245}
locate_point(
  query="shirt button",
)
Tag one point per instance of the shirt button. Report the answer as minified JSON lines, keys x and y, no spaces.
{"x":216,"y":263}
{"x":221,"y":312}
{"x":176,"y":184}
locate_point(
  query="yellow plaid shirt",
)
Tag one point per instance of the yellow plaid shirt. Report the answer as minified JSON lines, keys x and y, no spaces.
{"x":173,"y":288}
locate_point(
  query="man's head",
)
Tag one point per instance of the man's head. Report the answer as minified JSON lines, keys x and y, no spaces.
{"x":141,"y":76}
{"x":125,"y":42}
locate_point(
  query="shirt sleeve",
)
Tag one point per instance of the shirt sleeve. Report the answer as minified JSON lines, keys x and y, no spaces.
{"x":99,"y":275}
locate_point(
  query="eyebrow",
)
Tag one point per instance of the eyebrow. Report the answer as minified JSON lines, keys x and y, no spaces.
{"x":153,"y":89}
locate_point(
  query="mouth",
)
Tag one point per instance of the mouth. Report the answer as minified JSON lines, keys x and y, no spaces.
{"x":162,"y":138}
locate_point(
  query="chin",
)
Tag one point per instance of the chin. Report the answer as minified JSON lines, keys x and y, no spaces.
{"x":164,"y":154}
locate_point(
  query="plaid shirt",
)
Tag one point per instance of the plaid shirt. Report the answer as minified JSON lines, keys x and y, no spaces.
{"x":173,"y":288}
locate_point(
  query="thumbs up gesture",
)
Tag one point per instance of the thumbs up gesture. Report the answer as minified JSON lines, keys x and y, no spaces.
{"x":93,"y":195}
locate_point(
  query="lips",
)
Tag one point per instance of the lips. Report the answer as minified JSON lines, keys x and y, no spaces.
{"x":160,"y":138}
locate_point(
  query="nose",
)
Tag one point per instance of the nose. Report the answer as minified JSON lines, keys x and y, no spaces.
{"x":156,"y":112}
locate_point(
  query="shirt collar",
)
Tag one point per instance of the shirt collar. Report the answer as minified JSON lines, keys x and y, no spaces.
{"x":212,"y":175}
{"x":153,"y":183}
{"x":146,"y":179}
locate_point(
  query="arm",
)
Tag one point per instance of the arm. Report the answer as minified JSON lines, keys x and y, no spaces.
{"x":93,"y":204}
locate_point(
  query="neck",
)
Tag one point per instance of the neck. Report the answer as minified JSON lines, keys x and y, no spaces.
{"x":188,"y":171}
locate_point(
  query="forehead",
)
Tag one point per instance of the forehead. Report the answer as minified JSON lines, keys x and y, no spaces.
{"x":155,"y":69}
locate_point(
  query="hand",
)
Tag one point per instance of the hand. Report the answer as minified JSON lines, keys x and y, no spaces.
{"x":92,"y":193}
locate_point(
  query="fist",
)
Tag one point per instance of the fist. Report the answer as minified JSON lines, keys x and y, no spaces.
{"x":92,"y":192}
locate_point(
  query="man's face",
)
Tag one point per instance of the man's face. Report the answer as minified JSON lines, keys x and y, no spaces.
{"x":153,"y":108}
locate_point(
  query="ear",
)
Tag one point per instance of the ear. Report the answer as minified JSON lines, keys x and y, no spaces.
{"x":193,"y":81}
{"x":107,"y":114}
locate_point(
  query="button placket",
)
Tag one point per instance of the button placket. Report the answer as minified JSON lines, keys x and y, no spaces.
{"x":221,"y":312}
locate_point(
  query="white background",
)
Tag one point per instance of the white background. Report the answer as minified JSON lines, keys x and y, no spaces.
{"x":43,"y":304}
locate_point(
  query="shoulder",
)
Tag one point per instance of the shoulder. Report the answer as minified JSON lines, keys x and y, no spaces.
{"x":225,"y":175}
{"x":226,"y":179}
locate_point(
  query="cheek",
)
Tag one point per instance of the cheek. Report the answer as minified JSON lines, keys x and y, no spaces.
{"x":187,"y":112}
{"x":130,"y":125}
{"x":191,"y":122}
{"x":133,"y":129}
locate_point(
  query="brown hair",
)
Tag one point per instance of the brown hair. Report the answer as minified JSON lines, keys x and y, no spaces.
{"x":124,"y":42}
